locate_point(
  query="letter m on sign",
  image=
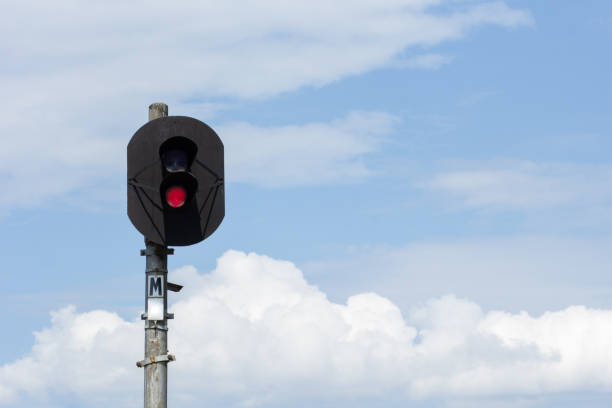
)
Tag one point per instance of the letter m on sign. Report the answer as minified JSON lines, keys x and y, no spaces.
{"x":156,"y":286}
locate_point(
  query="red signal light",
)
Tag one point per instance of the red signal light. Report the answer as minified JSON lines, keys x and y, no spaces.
{"x":176,"y":196}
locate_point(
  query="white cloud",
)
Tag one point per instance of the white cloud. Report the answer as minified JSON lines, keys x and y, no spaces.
{"x":314,"y":153}
{"x":82,"y":355}
{"x":76,"y":77}
{"x":424,"y":61}
{"x":242,"y":49}
{"x":273,"y":156}
{"x":255,"y":332}
{"x":526,"y":185}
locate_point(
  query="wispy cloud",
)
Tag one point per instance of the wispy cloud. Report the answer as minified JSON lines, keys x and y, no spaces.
{"x":310,"y":154}
{"x":274,"y":156}
{"x":255,"y":331}
{"x":525,"y":185}
{"x":235,"y":49}
{"x":424,"y":61}
{"x":77,"y":77}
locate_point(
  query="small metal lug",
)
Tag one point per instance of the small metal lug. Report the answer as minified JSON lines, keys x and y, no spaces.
{"x":174,"y":287}
{"x":143,"y":316}
{"x":171,"y":357}
{"x":169,"y":315}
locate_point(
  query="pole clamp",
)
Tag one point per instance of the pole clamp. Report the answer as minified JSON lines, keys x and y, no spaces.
{"x":157,"y":251}
{"x":170,"y":316}
{"x":156,"y":359}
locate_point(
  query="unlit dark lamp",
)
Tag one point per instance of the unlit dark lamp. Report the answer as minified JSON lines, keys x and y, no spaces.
{"x":175,"y":160}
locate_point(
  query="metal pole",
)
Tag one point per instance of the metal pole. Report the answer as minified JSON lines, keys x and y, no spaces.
{"x":156,"y":357}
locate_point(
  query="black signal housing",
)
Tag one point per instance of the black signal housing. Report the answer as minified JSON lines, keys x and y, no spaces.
{"x":169,"y":152}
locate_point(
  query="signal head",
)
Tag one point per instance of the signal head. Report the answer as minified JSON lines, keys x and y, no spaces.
{"x":176,"y":180}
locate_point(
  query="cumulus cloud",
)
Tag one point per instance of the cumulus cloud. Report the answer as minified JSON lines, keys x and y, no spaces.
{"x":82,"y":355}
{"x":254,"y":332}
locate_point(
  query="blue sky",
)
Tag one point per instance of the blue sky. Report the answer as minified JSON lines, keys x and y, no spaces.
{"x":418,"y":200}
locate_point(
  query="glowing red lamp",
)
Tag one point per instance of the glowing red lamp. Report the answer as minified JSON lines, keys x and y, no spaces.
{"x":176,"y":196}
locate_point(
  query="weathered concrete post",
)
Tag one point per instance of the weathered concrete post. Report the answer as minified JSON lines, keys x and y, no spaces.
{"x":156,"y":357}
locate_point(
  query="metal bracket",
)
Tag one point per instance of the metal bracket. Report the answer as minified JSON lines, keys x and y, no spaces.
{"x":156,"y":359}
{"x":150,"y":251}
{"x":174,"y":287}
